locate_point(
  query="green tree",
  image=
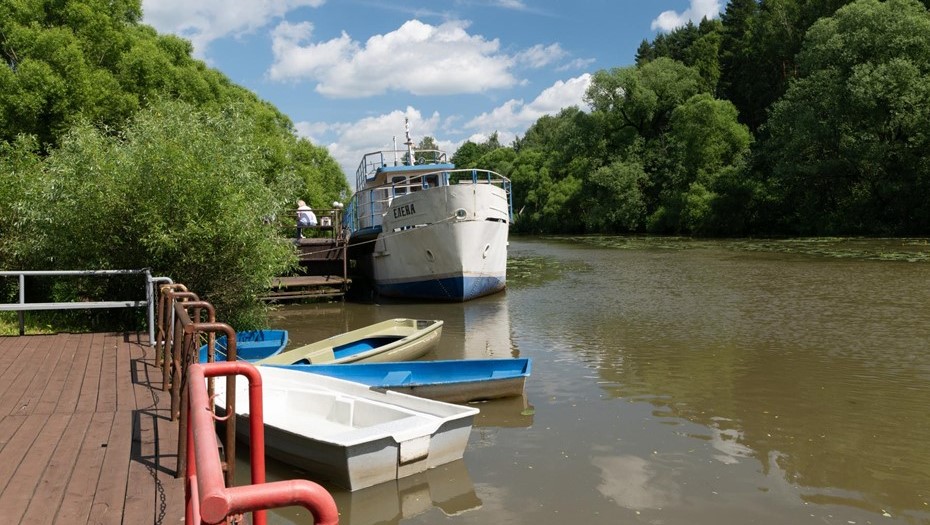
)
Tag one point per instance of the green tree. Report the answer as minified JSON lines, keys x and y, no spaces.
{"x":707,"y":141}
{"x":738,"y":75}
{"x":467,"y":155}
{"x":20,"y":166}
{"x":91,"y":60}
{"x":641,"y":99}
{"x":180,"y":191}
{"x":703,"y":55}
{"x":848,"y":144}
{"x":322,"y":177}
{"x":552,"y":163}
{"x":615,"y":201}
{"x":644,"y":53}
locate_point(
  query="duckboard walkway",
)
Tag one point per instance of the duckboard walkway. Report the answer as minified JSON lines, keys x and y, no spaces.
{"x":85,"y":434}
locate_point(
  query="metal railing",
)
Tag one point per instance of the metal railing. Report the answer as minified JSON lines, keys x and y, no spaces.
{"x":374,"y":161}
{"x":367,"y":206}
{"x":207,"y":499}
{"x":22,"y":306}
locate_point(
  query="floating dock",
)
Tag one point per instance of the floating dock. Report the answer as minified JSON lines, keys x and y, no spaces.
{"x":84,"y":435}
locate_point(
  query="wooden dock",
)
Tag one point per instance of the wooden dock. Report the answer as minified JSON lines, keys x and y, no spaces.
{"x":323,"y":272}
{"x":307,"y":287}
{"x":85,"y":435}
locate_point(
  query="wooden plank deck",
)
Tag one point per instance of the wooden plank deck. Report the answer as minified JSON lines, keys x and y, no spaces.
{"x":85,"y":435}
{"x":306,"y":287}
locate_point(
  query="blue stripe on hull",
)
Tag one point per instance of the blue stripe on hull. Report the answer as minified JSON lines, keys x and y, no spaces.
{"x":448,"y":289}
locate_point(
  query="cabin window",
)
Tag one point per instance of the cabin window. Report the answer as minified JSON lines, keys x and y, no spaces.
{"x":431,"y":181}
{"x":400,"y":185}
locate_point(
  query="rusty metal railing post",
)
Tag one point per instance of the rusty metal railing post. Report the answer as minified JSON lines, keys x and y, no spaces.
{"x":161,"y":337}
{"x":168,"y":367}
{"x":190,"y":353}
{"x":206,"y":498}
{"x":230,"y":423}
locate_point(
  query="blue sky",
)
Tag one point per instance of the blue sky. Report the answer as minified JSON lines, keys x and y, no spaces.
{"x":347,"y":72}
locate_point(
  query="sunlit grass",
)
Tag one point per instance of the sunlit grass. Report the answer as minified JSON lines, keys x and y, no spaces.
{"x":9,"y":325}
{"x":49,"y":322}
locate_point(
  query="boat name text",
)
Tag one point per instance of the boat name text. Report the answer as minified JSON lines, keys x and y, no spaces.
{"x":403,"y":211}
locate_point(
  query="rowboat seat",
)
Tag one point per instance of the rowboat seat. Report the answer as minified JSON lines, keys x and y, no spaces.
{"x":323,"y":355}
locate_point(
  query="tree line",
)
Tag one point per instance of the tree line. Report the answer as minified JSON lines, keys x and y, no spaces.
{"x":119,"y":150}
{"x":783,"y":117}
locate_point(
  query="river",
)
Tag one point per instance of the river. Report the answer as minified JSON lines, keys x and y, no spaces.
{"x":678,"y":382}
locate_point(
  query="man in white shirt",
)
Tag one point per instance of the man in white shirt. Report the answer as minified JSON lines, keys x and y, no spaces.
{"x":305,"y":218}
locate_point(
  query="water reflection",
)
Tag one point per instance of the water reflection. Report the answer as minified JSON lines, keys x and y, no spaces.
{"x":508,"y":412}
{"x":812,"y":368}
{"x":477,"y":329}
{"x":691,"y":383}
{"x":633,"y":483}
{"x":447,"y":488}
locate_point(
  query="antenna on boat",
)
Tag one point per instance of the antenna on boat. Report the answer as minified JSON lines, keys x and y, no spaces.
{"x":395,"y":149}
{"x":409,"y":142}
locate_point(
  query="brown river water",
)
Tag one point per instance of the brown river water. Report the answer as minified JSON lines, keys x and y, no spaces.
{"x":677,"y":382}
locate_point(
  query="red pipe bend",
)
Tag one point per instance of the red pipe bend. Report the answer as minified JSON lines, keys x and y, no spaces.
{"x":216,"y":501}
{"x":287,"y":493}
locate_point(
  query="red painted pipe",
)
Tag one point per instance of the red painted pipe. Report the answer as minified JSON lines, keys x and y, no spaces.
{"x":216,"y":501}
{"x":286,"y":494}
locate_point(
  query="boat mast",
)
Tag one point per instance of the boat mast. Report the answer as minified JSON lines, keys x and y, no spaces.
{"x":409,"y":142}
{"x":396,"y":163}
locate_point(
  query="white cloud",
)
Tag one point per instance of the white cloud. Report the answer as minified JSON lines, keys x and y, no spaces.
{"x":669,"y":20}
{"x":294,"y":61}
{"x":418,"y":58}
{"x":515,"y":116}
{"x":353,"y":140}
{"x":312,"y":130}
{"x":510,"y":4}
{"x":540,"y":56}
{"x":348,"y":141}
{"x":578,"y":63}
{"x":203,"y":21}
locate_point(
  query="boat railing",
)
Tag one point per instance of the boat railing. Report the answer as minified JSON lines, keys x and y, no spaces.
{"x":208,"y":499}
{"x":22,"y":306}
{"x":374,"y":161}
{"x":367,"y":206}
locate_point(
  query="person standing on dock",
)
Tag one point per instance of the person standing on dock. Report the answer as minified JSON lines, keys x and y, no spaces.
{"x":305,"y":218}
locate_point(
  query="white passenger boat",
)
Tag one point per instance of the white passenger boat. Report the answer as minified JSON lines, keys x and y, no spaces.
{"x":420,"y":228}
{"x":346,"y":433}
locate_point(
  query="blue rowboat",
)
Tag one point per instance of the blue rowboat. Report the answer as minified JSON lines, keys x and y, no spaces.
{"x":453,"y":381}
{"x":251,"y":345}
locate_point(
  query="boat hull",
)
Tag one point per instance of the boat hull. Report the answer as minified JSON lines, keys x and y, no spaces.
{"x":452,"y":381}
{"x":391,"y":340}
{"x":347,"y":434}
{"x":453,"y":248}
{"x":251,"y":345}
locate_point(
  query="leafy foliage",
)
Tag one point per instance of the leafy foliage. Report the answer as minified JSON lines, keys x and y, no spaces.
{"x":782,"y":117}
{"x":849,"y":142}
{"x":119,"y":150}
{"x":179,"y":191}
